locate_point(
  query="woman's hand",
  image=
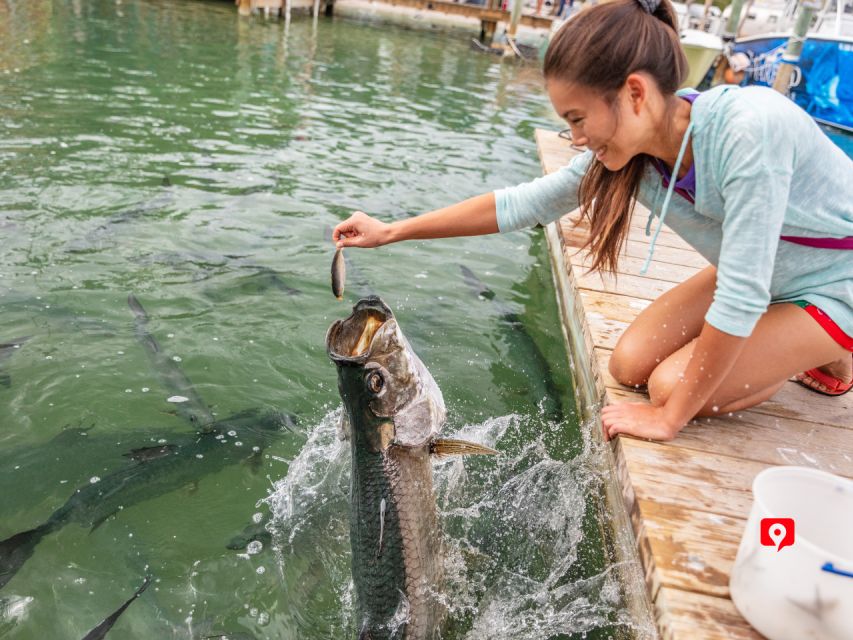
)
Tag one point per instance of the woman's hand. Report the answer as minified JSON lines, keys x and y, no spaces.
{"x":360,"y":230}
{"x":640,"y":420}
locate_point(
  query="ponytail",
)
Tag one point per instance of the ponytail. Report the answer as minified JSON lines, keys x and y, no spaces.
{"x":598,"y":49}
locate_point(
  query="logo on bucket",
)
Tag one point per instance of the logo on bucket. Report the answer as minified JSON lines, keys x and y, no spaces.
{"x":777,"y":532}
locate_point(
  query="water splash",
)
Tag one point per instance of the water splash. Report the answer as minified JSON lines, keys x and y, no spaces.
{"x":513,"y":527}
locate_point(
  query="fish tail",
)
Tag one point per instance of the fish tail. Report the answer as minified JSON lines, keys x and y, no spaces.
{"x":15,"y":551}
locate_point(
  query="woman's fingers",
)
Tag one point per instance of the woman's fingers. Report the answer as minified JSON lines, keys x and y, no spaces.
{"x":348,"y":227}
{"x":360,"y":230}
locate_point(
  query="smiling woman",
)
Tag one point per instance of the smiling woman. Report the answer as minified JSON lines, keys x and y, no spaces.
{"x":749,"y":180}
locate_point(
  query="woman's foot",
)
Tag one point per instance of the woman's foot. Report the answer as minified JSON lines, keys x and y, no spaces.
{"x":833,"y":379}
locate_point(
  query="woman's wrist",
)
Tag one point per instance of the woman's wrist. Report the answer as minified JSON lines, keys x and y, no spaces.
{"x":393,"y":232}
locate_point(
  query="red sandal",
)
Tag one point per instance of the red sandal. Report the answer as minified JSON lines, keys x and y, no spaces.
{"x":835,"y":386}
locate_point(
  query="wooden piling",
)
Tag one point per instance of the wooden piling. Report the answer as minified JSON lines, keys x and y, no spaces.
{"x":782,"y":82}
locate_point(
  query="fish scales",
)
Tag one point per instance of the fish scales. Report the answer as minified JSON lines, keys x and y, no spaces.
{"x":409,"y":561}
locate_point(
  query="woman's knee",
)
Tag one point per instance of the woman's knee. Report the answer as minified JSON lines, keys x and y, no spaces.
{"x":630,"y":361}
{"x":663,"y":381}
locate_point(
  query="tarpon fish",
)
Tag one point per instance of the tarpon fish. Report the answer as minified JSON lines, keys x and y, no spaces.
{"x":100,"y":632}
{"x":153,"y":471}
{"x":193,"y":408}
{"x":339,"y":274}
{"x":394,"y":412}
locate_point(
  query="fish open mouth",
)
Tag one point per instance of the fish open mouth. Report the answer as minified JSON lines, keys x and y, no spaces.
{"x":350,"y":339}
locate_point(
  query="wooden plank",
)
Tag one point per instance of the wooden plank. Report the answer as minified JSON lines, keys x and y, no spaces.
{"x":791,"y":403}
{"x":701,"y":617}
{"x":666,"y":473}
{"x":626,"y":284}
{"x":769,"y":439}
{"x":693,"y":551}
{"x":611,"y":305}
{"x":631,"y":265}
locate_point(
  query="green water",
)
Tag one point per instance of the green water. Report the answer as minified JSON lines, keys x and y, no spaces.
{"x":197,"y":160}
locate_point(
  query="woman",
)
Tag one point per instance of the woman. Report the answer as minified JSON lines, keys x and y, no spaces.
{"x":760,"y":192}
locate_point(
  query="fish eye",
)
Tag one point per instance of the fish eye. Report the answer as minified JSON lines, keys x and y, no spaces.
{"x":375,"y":382}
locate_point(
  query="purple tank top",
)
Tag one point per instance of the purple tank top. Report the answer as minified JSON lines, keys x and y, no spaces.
{"x":686,"y":187}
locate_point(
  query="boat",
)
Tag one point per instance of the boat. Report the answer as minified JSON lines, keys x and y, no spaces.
{"x":822,"y":82}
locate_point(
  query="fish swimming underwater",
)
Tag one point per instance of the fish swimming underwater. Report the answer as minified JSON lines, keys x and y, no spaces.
{"x":152,"y":471}
{"x":394,"y":412}
{"x":100,"y":632}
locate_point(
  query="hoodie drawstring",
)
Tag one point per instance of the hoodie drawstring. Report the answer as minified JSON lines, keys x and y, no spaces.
{"x":672,"y":180}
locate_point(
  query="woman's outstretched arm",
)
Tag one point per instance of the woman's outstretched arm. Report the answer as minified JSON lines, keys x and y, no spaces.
{"x":473,"y":217}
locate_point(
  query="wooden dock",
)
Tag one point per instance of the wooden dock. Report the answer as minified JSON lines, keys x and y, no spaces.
{"x":489,"y":14}
{"x":687,"y":500}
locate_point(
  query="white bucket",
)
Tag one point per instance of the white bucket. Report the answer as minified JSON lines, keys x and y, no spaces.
{"x":801,"y":591}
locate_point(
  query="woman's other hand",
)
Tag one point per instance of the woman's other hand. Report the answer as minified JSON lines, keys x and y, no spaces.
{"x":360,"y":230}
{"x":639,"y":420}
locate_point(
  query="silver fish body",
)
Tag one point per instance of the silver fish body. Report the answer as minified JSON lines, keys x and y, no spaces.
{"x":339,"y":274}
{"x":394,"y":411}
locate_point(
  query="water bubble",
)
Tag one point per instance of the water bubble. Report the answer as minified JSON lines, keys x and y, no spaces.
{"x":199,"y":455}
{"x":177,"y":399}
{"x":219,"y":436}
{"x":121,"y":353}
{"x":161,"y":441}
{"x":48,"y":357}
{"x":253,"y":612}
{"x":256,"y":518}
{"x":128,"y":390}
{"x":94,"y":479}
{"x":263,"y":616}
{"x":145,"y":389}
{"x":255,"y":546}
{"x":256,"y":449}
{"x":260,"y":571}
{"x":170,"y":335}
{"x":232,"y":433}
{"x":176,"y":358}
{"x":238,"y":444}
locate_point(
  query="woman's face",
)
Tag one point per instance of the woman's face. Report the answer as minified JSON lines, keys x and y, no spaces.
{"x":612,"y":131}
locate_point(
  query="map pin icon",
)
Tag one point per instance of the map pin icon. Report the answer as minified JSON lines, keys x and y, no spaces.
{"x":777,"y":533}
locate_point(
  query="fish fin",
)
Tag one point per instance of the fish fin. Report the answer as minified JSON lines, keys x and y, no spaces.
{"x":15,"y":551}
{"x":344,"y":429}
{"x":442,"y":447}
{"x":143,"y":454}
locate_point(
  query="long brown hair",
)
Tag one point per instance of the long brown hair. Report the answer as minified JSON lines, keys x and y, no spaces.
{"x":598,"y":49}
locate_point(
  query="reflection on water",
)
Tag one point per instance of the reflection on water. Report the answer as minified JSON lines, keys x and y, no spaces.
{"x":174,"y":152}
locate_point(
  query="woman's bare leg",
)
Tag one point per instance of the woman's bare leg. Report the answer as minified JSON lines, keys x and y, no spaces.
{"x":673,"y":320}
{"x":786,"y":341}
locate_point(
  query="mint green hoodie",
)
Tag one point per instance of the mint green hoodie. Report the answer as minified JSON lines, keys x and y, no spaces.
{"x":763,"y":169}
